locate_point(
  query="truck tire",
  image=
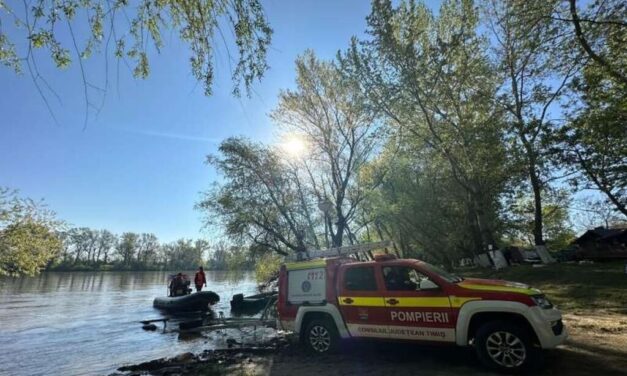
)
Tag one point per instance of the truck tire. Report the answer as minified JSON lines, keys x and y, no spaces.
{"x":321,"y":337}
{"x":506,"y":347}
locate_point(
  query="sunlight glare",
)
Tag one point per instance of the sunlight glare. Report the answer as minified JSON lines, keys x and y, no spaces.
{"x":294,"y":146}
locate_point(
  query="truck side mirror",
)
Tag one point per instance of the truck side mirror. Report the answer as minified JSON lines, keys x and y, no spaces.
{"x":427,"y":284}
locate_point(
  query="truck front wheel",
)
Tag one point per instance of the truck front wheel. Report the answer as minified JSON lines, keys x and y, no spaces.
{"x":321,"y":337}
{"x":505,"y":347}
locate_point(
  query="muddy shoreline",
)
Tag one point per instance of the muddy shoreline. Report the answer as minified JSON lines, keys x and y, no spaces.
{"x":597,"y":345}
{"x":209,"y":362}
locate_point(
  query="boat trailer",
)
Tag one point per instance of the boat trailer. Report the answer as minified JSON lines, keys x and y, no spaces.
{"x":267,"y":319}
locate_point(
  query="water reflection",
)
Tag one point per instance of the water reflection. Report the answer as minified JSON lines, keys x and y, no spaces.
{"x":87,"y":323}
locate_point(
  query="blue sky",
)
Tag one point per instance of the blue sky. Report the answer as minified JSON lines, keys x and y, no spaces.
{"x":139,"y":165}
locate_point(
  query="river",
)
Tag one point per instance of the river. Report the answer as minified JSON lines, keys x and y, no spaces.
{"x":88,"y":323}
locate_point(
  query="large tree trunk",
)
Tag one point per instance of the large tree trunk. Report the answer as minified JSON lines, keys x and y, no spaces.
{"x":474,"y":230}
{"x":480,"y":215}
{"x":337,"y":237}
{"x":487,"y":237}
{"x":538,"y":237}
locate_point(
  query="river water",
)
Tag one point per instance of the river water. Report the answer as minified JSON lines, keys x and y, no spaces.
{"x":88,"y":323}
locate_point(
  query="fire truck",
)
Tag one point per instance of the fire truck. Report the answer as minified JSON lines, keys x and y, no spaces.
{"x":348,"y":292}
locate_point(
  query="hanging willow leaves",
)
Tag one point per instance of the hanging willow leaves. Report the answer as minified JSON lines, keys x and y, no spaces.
{"x":132,"y":29}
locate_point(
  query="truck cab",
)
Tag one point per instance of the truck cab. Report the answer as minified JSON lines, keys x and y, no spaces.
{"x":328,"y":299}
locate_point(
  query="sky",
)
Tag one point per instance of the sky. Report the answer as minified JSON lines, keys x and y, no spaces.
{"x":138,"y":165}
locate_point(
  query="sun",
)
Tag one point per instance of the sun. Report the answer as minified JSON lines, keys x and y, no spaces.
{"x":294,"y":146}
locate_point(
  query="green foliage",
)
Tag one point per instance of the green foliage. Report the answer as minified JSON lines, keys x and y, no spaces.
{"x":127,"y":247}
{"x":267,"y":267}
{"x":329,"y":114}
{"x":28,"y":239}
{"x":431,"y":78}
{"x":529,"y":45}
{"x":26,"y":248}
{"x":185,"y":254}
{"x":237,"y":259}
{"x":8,"y":55}
{"x":86,"y":249}
{"x":594,"y":142}
{"x":558,"y":230}
{"x":258,"y":201}
{"x":136,"y":27}
{"x":284,"y":203}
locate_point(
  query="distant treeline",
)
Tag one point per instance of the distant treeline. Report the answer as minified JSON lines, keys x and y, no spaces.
{"x":90,"y":249}
{"x":33,"y":239}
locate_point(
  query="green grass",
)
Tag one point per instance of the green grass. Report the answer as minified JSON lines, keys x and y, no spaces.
{"x":570,"y":286}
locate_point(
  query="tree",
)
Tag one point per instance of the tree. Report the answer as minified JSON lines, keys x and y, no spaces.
{"x":148,"y":245}
{"x":237,"y":259}
{"x":595,"y":146}
{"x":422,"y":208}
{"x":83,"y":241}
{"x":594,"y":143}
{"x":258,"y":202}
{"x":218,"y":258}
{"x":201,"y":247}
{"x":106,"y":242}
{"x":26,"y":248}
{"x":184,"y":254}
{"x":610,"y":16}
{"x":28,"y":235}
{"x":432,"y":80}
{"x":128,"y":30}
{"x":529,"y":44}
{"x":64,"y":237}
{"x":591,"y":212}
{"x":127,"y":247}
{"x":557,"y":226}
{"x":330,"y":116}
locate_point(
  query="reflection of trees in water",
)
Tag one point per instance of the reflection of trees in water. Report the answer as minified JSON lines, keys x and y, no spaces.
{"x":112,"y":281}
{"x":230,"y":276}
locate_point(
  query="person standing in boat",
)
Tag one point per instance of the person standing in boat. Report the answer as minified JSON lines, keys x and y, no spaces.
{"x":199,"y":279}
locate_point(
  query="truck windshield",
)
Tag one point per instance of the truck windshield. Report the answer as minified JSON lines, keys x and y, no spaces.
{"x":449,"y":277}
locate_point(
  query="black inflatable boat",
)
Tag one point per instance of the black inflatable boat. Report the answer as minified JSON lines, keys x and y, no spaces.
{"x":198,"y":301}
{"x":250,"y":304}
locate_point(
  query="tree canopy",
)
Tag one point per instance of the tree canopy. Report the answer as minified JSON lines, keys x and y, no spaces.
{"x":28,"y":238}
{"x":449,"y":132}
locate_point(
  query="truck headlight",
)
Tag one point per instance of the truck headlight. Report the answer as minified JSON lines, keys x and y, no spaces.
{"x":542,"y":302}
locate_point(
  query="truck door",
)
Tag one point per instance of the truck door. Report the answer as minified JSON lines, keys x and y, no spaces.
{"x":361,"y":301}
{"x":416,"y":307}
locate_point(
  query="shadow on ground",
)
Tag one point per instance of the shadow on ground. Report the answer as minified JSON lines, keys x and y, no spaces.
{"x":404,"y":359}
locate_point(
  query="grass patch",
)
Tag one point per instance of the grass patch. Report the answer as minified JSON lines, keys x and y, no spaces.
{"x":570,"y":286}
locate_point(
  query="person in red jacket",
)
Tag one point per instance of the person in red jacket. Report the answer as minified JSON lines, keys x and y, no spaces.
{"x":199,"y":279}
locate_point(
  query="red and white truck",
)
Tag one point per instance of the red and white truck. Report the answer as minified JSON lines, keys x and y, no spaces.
{"x":327,"y":299}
